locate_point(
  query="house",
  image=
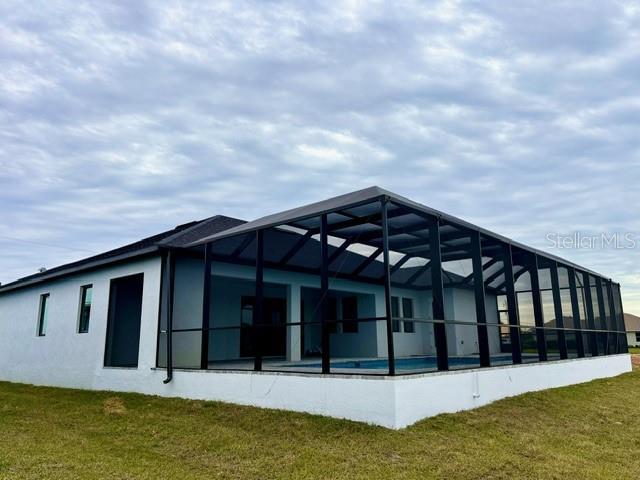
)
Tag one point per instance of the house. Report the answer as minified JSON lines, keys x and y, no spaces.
{"x":632,"y":326}
{"x":367,"y":306}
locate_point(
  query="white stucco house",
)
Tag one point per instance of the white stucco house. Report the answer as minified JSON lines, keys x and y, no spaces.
{"x":366,"y":306}
{"x":632,"y":325}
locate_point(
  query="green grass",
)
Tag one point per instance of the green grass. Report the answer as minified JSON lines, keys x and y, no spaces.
{"x":635,"y":350}
{"x":584,"y":431}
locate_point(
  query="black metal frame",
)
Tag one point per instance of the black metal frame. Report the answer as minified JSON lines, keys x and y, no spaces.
{"x":575,"y":310}
{"x":512,"y":305}
{"x":206,"y":307}
{"x":437,"y":290}
{"x":442,"y":247}
{"x":387,"y":286}
{"x":324,"y":293}
{"x":541,"y":340}
{"x":171,"y":274}
{"x":258,"y":320}
{"x":588,"y":300}
{"x":479,"y":293}
{"x":557,"y":303}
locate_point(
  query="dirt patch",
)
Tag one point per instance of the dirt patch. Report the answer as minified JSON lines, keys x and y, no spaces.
{"x":114,"y":406}
{"x":635,"y":360}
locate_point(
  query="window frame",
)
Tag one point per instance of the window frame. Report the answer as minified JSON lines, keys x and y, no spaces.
{"x":637,"y":336}
{"x":395,"y":314}
{"x":83,"y":295}
{"x":43,"y":303}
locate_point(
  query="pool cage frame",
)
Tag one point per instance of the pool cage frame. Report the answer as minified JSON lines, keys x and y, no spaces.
{"x":435,"y":237}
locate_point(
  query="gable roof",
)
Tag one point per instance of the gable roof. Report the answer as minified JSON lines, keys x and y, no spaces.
{"x":631,"y":322}
{"x":176,"y":237}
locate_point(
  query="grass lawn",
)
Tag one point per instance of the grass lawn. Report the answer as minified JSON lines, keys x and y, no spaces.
{"x":635,"y":350}
{"x":584,"y":431}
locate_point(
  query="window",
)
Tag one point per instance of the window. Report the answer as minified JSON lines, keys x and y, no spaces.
{"x":86,"y":294}
{"x":637,"y":336}
{"x":332,"y":313}
{"x":407,"y":312}
{"x":350,"y":315}
{"x":42,"y":314}
{"x":395,"y":313}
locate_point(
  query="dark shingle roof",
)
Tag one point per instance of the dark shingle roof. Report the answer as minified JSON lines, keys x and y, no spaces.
{"x":178,"y":236}
{"x":197,"y":230}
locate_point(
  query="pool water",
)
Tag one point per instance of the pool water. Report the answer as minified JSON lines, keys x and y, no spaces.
{"x":415,"y":363}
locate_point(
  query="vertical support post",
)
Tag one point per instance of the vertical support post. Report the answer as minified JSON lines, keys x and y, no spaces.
{"x":481,"y":312}
{"x":171,"y":260}
{"x":557,"y":304}
{"x":387,"y":286}
{"x":206,"y":307}
{"x":514,"y":330}
{"x":324,"y":293}
{"x":591,"y":323}
{"x":621,"y":327}
{"x":575,"y":309}
{"x":537,"y":309}
{"x":437,"y":288}
{"x":612,"y":310}
{"x":603,"y":316}
{"x":258,"y":311}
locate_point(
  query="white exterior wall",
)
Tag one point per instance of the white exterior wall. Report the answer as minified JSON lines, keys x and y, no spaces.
{"x":370,"y":304}
{"x":370,"y":341}
{"x":64,"y":357}
{"x":631,"y":339}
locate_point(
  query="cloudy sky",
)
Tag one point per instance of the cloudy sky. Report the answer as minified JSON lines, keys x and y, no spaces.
{"x":122,"y":119}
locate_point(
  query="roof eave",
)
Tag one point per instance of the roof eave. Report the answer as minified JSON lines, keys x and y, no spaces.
{"x":18,"y":284}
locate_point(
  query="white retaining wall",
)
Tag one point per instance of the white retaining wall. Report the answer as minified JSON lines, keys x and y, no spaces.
{"x":448,"y":392}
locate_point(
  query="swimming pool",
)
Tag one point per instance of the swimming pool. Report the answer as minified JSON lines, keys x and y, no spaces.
{"x":414,"y":363}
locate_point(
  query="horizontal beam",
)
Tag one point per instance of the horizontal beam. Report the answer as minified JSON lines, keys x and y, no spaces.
{"x":295,"y":268}
{"x":368,"y":261}
{"x":494,"y":275}
{"x":516,"y":276}
{"x":243,"y":245}
{"x":374,"y":218}
{"x":365,"y":237}
{"x":295,"y":249}
{"x":489,"y":264}
{"x":338,"y":251}
{"x":399,"y":264}
{"x":416,"y":275}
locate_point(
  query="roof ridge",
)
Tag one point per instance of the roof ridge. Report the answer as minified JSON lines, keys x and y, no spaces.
{"x":187,"y":227}
{"x":167,"y":241}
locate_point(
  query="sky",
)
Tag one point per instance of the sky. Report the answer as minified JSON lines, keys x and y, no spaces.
{"x":119,"y":120}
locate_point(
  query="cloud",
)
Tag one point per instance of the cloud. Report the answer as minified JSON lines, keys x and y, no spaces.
{"x":118,"y":120}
